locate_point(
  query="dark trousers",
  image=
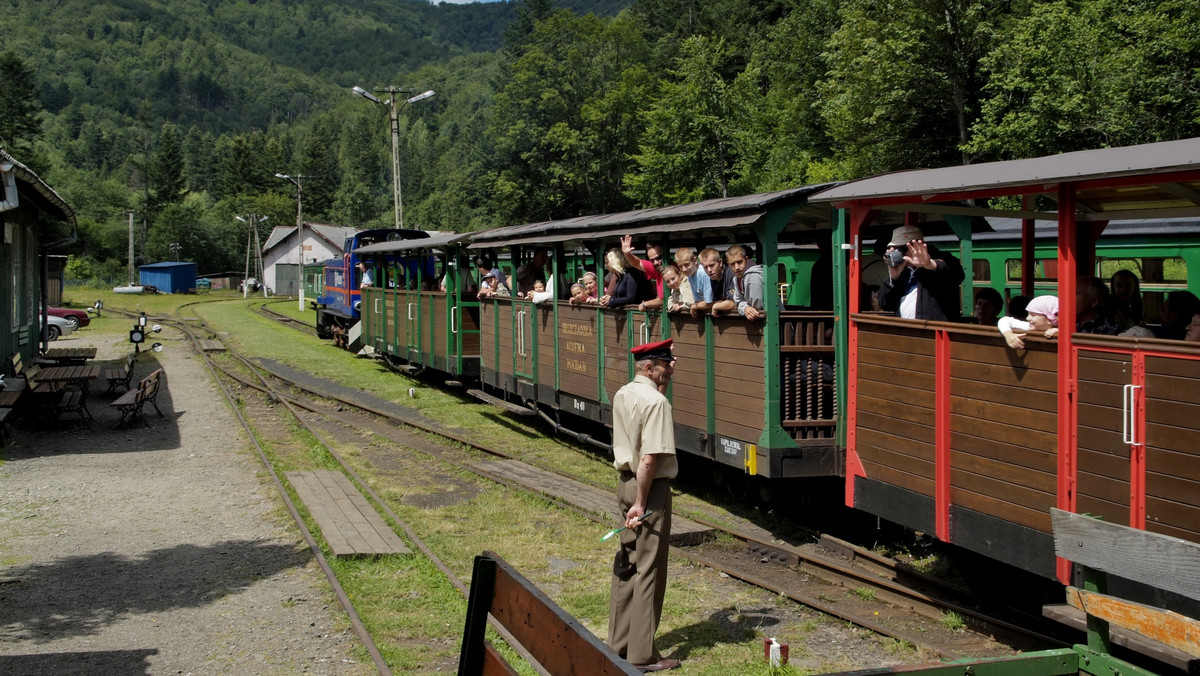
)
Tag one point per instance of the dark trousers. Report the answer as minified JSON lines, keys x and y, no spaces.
{"x":639,"y":581}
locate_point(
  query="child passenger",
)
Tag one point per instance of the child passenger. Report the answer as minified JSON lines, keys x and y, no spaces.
{"x":1042,"y":315}
{"x":681,"y":297}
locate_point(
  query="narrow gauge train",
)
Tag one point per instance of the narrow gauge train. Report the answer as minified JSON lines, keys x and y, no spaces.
{"x":951,"y":432}
{"x":757,"y":397}
{"x":937,"y":426}
{"x":337,"y":292}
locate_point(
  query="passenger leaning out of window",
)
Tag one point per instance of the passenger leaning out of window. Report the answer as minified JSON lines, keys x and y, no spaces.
{"x":923,"y":282}
{"x":747,"y":291}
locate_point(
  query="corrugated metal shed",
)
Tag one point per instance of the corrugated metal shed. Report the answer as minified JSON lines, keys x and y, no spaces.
{"x":169,"y":277}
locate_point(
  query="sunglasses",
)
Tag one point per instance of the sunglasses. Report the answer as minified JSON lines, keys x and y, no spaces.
{"x":655,"y":260}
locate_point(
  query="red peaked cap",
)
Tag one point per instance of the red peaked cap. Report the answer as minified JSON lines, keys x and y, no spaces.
{"x":660,"y":350}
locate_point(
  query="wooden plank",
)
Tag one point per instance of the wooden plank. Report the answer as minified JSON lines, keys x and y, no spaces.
{"x":1005,"y":472}
{"x":1061,"y":612}
{"x":1037,"y":400}
{"x":559,"y":642}
{"x":1172,"y":514}
{"x":350,"y":526}
{"x":1042,"y":461}
{"x":904,"y":342}
{"x":1022,"y":515}
{"x":888,"y":475}
{"x":1008,"y":376}
{"x":1166,"y":627}
{"x":1019,"y":416}
{"x":1156,"y":560}
{"x":908,"y":362}
{"x":919,"y":384}
{"x":1172,"y":386}
{"x":1109,"y":511}
{"x":1016,"y":494}
{"x":964,"y":354}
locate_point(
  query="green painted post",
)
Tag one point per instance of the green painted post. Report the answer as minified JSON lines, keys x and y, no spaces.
{"x":961,"y":225}
{"x":767,"y":230}
{"x":841,"y":318}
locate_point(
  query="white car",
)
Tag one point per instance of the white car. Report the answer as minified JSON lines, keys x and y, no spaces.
{"x":57,"y":327}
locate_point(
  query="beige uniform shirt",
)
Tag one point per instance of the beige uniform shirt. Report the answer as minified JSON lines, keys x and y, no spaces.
{"x":643,"y":424}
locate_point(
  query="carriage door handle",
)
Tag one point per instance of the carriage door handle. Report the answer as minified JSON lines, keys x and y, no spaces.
{"x":378,"y":308}
{"x":644,"y":333}
{"x":1128,"y":417}
{"x":410,"y":312}
{"x":521,"y":331}
{"x":454,"y":320}
{"x":783,"y":292}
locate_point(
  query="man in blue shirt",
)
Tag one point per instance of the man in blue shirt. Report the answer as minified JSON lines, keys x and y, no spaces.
{"x":685,"y":258}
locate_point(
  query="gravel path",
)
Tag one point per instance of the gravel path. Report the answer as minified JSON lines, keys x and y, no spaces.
{"x":156,"y":551}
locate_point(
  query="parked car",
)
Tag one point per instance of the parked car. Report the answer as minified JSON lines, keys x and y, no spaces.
{"x":78,"y":318}
{"x":57,"y":326}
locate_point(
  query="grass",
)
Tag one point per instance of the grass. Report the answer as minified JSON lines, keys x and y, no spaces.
{"x":865,"y":593}
{"x":952,"y":621}
{"x":412,"y":610}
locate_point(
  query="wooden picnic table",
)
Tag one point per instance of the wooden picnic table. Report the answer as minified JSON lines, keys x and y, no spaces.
{"x":70,"y":355}
{"x":80,"y":375}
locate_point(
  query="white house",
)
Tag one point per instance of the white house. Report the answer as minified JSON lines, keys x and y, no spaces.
{"x":321,"y":242}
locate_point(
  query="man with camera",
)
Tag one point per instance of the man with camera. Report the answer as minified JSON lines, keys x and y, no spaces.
{"x":923,"y":282}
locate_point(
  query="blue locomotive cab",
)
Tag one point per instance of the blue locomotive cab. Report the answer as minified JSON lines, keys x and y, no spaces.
{"x":338,"y":306}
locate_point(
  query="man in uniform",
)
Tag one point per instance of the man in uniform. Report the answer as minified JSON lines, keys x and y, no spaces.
{"x":644,"y":450}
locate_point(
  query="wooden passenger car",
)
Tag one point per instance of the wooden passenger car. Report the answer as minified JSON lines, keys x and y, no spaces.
{"x":951,"y":432}
{"x":755,"y":396}
{"x":407,"y":316}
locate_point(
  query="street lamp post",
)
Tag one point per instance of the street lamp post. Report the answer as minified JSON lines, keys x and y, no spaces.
{"x":252,"y":235}
{"x":298,"y":181}
{"x":394,"y":115}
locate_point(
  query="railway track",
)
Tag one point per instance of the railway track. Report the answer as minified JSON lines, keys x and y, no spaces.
{"x":830,"y":575}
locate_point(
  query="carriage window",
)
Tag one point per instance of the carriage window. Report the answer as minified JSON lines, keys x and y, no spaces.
{"x":981,"y":270}
{"x":1045,"y":269}
{"x":1149,"y":270}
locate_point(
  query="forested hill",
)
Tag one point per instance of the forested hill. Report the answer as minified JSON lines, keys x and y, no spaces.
{"x":233,"y":65}
{"x":184,"y":110}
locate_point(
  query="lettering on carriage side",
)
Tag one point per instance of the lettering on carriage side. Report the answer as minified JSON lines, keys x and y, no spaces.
{"x":576,"y":329}
{"x":576,"y":365}
{"x":578,"y":405}
{"x":730,"y":446}
{"x":575,"y":346}
{"x":338,"y":278}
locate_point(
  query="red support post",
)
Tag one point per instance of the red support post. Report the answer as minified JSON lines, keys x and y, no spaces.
{"x":1137,"y":450}
{"x":941,"y":451}
{"x":1067,"y":359}
{"x":860,"y":216}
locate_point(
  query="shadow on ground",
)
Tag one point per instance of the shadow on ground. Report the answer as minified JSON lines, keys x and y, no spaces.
{"x":727,"y":625}
{"x":80,"y":595}
{"x":108,"y":662}
{"x":34,"y":433}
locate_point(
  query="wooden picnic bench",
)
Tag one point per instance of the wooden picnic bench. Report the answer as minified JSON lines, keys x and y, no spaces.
{"x":69,"y":376}
{"x":130,"y":404}
{"x":120,"y":376}
{"x":69,"y":355}
{"x":56,"y":400}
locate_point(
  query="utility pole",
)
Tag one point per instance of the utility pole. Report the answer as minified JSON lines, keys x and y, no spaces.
{"x":131,"y":213}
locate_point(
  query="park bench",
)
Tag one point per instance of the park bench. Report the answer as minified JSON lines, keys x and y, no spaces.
{"x":129,"y":405}
{"x":55,"y":400}
{"x":153,"y":381}
{"x":542,"y":631}
{"x":120,"y":376}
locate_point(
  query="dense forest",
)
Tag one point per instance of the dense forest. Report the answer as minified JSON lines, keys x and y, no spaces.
{"x":184,"y":111}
